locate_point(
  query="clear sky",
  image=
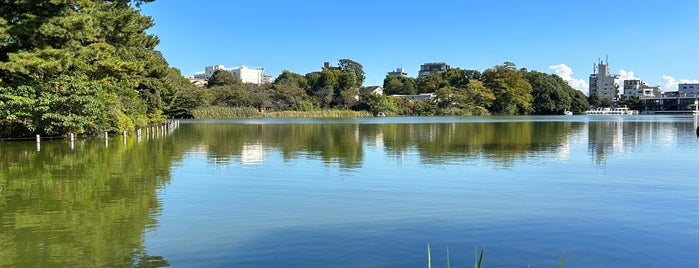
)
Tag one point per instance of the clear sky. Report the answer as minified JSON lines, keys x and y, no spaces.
{"x":656,"y":41}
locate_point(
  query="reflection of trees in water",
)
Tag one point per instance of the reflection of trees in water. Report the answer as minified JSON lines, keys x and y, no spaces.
{"x":503,"y":142}
{"x":87,"y":207}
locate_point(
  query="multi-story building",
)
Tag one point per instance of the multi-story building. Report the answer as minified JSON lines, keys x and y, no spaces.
{"x":244,"y":73}
{"x":603,"y":84}
{"x":329,"y":66}
{"x":688,"y":89}
{"x":427,"y":68}
{"x":399,"y":72}
{"x":639,"y":88}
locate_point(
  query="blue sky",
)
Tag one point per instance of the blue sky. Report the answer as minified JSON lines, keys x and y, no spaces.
{"x":656,"y":41}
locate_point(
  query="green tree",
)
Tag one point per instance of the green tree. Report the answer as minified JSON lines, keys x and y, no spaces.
{"x":375,"y":104}
{"x":551,"y":94}
{"x":511,"y":89}
{"x":347,"y":65}
{"x":222,"y":78}
{"x":323,"y":86}
{"x":459,"y":78}
{"x":287,"y":93}
{"x":479,"y":98}
{"x":430,"y":83}
{"x":579,"y":102}
{"x":633,"y":102}
{"x":424,"y":108}
{"x":83,"y":46}
{"x":399,"y":85}
{"x":260,"y":95}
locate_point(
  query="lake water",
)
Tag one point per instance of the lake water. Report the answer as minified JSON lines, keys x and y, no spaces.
{"x":608,"y":191}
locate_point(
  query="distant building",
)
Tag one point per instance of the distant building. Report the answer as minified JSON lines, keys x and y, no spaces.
{"x":688,"y":89}
{"x":378,"y":90}
{"x":329,"y":66}
{"x":399,"y":72}
{"x":605,"y":85}
{"x":420,"y":97}
{"x":246,"y":74}
{"x":639,"y":88}
{"x":427,"y":68}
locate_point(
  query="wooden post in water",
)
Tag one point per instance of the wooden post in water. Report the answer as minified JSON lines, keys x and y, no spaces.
{"x":38,"y":138}
{"x":106,"y":139}
{"x":72,"y":141}
{"x":38,"y":143}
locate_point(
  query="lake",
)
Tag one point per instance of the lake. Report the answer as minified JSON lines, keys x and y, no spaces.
{"x":606,"y":191}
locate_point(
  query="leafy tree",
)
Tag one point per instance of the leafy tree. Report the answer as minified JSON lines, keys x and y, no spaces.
{"x":378,"y":104}
{"x":222,"y":78}
{"x":430,"y":83}
{"x":347,"y":65}
{"x":633,"y":102}
{"x":459,"y":78}
{"x":579,"y":102}
{"x":323,"y":86}
{"x":552,"y":95}
{"x":596,"y":101}
{"x":399,"y":85}
{"x":511,"y":89}
{"x":480,"y":98}
{"x":287,"y":94}
{"x":287,"y":76}
{"x":424,"y":108}
{"x":231,"y":95}
{"x":260,"y":95}
{"x":59,"y":48}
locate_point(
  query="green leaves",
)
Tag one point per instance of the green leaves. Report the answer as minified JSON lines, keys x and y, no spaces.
{"x":90,"y":64}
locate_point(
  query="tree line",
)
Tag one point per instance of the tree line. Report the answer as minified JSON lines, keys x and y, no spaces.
{"x":89,"y":66}
{"x":501,"y":90}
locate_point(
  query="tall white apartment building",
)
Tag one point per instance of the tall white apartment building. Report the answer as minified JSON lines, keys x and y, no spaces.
{"x":602,"y":83}
{"x":252,"y":75}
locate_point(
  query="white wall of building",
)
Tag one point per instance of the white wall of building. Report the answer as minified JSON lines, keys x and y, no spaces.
{"x":244,"y":73}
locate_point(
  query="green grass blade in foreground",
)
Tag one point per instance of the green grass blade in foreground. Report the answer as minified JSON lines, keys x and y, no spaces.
{"x":429,"y":258}
{"x":563,"y":260}
{"x":479,"y":260}
{"x":448,"y":263}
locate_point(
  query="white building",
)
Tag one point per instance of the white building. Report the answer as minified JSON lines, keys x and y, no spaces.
{"x":244,"y":73}
{"x":605,"y":85}
{"x":688,"y":89}
{"x":399,"y":72}
{"x":639,"y":88}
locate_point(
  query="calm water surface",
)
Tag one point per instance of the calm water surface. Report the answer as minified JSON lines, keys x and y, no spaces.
{"x":360,"y":192}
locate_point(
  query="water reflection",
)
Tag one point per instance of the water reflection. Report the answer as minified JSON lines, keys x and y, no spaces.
{"x":617,"y":137}
{"x":502,"y":143}
{"x":81,"y":204}
{"x":344,"y":144}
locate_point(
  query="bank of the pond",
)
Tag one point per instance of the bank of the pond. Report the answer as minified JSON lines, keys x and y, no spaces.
{"x":217,"y":112}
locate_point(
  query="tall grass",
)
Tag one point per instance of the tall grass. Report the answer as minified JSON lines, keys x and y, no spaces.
{"x":219,"y":112}
{"x":478,"y":263}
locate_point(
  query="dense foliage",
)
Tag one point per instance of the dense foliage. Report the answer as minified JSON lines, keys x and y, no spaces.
{"x":89,"y":66}
{"x":80,"y":66}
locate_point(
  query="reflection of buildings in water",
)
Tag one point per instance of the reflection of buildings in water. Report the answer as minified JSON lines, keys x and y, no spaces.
{"x":564,"y":150}
{"x":378,"y":140}
{"x":605,"y":138}
{"x":252,"y":154}
{"x":618,"y":137}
